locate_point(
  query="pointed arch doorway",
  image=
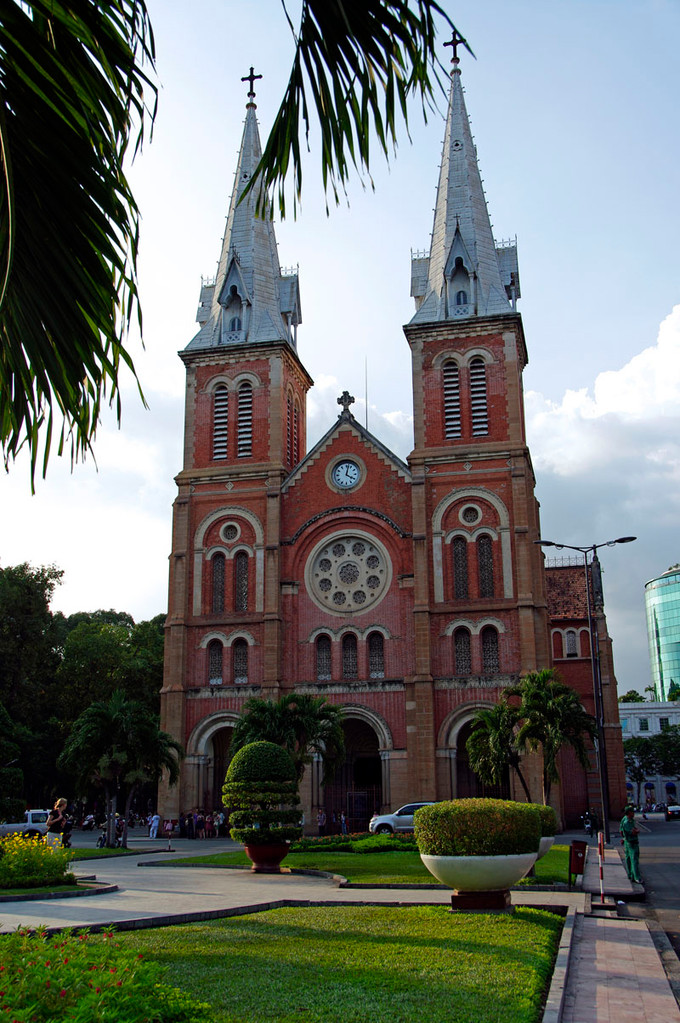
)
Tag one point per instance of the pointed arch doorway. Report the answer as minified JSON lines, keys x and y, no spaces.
{"x":357,"y":787}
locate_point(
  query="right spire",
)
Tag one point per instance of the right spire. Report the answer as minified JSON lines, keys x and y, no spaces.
{"x":465,"y":273}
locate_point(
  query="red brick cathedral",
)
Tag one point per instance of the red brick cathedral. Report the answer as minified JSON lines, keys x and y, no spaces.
{"x":411,"y":593}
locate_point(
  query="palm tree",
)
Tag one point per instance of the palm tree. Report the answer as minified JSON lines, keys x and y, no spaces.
{"x":552,"y":716}
{"x":492,"y":745}
{"x":75,"y":97}
{"x":303,"y":725}
{"x":117,"y":743}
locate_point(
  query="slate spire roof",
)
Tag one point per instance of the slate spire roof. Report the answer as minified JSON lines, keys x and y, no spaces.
{"x":465,"y":274}
{"x":251,"y":299}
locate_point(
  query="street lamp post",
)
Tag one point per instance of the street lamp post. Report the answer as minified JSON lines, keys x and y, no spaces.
{"x":593,"y":579}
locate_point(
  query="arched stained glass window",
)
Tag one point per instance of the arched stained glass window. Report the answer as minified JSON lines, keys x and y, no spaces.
{"x":478,"y":400}
{"x":241,"y":581}
{"x":220,"y":421}
{"x":461,"y":652}
{"x":460,"y":568}
{"x":571,"y":644}
{"x":323,"y":658}
{"x":218,"y":562}
{"x":215,"y":662}
{"x":349,"y":656}
{"x":490,"y":662}
{"x":452,"y":427}
{"x":245,"y":420}
{"x":485,"y":565}
{"x":240,"y":661}
{"x":376,"y":655}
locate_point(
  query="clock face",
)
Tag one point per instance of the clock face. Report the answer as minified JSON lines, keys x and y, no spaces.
{"x":345,"y":474}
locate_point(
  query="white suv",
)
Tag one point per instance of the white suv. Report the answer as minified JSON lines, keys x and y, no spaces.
{"x":400,"y":820}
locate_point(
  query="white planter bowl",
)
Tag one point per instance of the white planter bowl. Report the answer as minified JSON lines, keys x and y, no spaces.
{"x":546,"y":842}
{"x":479,"y":873}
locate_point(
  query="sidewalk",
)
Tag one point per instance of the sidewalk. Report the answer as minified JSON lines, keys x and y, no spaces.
{"x":613,"y":971}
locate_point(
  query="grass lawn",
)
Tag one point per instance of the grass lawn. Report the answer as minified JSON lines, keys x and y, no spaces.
{"x":42,"y":890}
{"x":362,"y":963}
{"x":379,"y":868}
{"x":98,"y":854}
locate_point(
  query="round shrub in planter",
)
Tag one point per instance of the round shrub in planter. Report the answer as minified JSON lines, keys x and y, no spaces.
{"x":260,"y":793}
{"x":478,"y":845}
{"x":548,"y":819}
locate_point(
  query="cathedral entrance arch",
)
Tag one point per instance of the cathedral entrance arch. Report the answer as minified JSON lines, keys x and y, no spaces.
{"x":207,"y":760}
{"x":453,"y":737}
{"x":357,"y":789}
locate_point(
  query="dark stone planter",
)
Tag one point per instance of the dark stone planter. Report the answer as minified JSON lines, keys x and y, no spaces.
{"x":266,"y":859}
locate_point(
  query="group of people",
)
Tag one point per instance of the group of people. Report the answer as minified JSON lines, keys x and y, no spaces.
{"x":337,"y":823}
{"x":199,"y":824}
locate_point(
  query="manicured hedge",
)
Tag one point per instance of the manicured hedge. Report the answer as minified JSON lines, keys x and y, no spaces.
{"x":477,"y":827}
{"x":548,"y":819}
{"x":261,"y":761}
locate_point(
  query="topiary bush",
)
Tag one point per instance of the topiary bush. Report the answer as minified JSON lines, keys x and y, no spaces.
{"x":548,"y":819}
{"x":477,"y":827}
{"x":260,"y":793}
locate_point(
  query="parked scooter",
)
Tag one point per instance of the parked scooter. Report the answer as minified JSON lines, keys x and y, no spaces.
{"x":587,"y":823}
{"x":88,"y":823}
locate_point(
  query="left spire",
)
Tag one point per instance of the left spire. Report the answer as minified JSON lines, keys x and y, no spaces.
{"x":250,"y":300}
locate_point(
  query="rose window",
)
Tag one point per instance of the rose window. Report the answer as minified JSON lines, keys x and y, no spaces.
{"x":348,"y":573}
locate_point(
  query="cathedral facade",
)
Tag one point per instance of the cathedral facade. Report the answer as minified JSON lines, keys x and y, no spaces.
{"x":410,"y":592}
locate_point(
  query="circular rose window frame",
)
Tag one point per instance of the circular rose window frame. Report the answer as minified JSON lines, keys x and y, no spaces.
{"x":356,"y":569}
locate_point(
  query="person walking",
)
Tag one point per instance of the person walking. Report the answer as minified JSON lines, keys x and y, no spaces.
{"x":321,"y":822}
{"x":631,"y":844}
{"x":155,"y":823}
{"x":56,"y":820}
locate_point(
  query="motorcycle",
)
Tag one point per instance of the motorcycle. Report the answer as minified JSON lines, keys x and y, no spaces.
{"x":587,"y":823}
{"x":88,"y":823}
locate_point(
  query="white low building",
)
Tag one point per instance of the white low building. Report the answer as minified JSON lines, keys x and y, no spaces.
{"x":642,"y":720}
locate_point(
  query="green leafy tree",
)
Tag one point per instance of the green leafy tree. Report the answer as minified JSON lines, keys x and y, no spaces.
{"x":30,"y":652}
{"x":492,"y":745}
{"x":551,"y":717}
{"x":116,"y":745}
{"x":652,"y":693}
{"x":632,"y":696}
{"x":673,"y":692}
{"x":76,"y":96}
{"x":641,"y":761}
{"x":12,"y":803}
{"x":666,"y":746}
{"x":303,"y":725}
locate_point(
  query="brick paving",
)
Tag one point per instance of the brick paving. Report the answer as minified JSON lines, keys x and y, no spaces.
{"x":616,"y":976}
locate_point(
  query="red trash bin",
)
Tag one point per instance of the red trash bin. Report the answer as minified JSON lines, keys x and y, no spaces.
{"x":577,"y":858}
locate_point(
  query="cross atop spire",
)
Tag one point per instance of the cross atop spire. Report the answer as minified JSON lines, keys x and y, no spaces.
{"x":456,"y":41}
{"x":252,"y":78}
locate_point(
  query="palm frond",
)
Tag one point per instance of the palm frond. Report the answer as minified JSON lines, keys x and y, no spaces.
{"x":73,"y":97}
{"x":356,"y":65}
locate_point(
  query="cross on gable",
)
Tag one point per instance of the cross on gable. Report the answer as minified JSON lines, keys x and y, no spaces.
{"x":251,"y":78}
{"x":346,"y":399}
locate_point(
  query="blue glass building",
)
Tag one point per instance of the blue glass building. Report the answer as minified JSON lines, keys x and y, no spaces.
{"x":662,"y":603}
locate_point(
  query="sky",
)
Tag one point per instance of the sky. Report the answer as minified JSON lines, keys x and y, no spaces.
{"x":573,"y":105}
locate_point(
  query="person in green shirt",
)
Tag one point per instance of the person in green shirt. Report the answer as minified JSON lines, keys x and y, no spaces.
{"x":631,"y":844}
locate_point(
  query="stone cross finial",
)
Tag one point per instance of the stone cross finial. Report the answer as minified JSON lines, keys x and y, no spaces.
{"x":346,"y":399}
{"x":252,"y":78}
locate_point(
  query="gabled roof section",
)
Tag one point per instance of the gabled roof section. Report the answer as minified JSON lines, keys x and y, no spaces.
{"x":346,"y":420}
{"x":464,"y":276}
{"x":250,"y":300}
